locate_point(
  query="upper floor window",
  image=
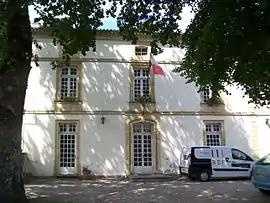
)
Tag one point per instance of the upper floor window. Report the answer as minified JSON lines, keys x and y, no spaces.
{"x":206,"y":94}
{"x":141,"y":51}
{"x":213,"y":134}
{"x":68,"y":83}
{"x":141,"y":84}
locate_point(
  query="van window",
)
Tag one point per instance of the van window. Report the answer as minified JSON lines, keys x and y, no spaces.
{"x":202,"y":153}
{"x":237,"y":154}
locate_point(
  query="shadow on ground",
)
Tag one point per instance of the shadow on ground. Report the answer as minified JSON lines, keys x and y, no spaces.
{"x":185,"y":191}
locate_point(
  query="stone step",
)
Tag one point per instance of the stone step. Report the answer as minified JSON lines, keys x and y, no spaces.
{"x":152,"y":177}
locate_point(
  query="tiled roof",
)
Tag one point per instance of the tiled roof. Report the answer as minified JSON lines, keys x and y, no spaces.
{"x":102,"y":33}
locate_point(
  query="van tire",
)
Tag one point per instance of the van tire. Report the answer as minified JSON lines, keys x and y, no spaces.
{"x":204,"y":176}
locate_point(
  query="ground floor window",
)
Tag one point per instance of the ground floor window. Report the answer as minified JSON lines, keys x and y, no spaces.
{"x":213,"y":135}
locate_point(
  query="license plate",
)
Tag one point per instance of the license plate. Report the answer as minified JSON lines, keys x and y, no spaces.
{"x":259,"y":176}
{"x":184,"y":170}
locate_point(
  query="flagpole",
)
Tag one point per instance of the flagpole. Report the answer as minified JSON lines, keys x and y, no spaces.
{"x":149,"y":78}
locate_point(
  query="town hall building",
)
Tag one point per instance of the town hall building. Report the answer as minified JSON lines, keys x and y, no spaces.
{"x":108,"y":112}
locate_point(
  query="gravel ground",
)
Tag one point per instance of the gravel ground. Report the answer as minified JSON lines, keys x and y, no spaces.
{"x":101,"y":191}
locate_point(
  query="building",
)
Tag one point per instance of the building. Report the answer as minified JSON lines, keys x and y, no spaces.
{"x":90,"y":114}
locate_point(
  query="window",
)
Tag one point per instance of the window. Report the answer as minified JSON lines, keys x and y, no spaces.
{"x":213,"y":134}
{"x":141,"y":51}
{"x":206,"y":94}
{"x":68,"y":83}
{"x":141,"y":85}
{"x":237,"y":154}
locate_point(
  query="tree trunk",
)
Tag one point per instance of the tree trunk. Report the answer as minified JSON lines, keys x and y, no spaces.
{"x":14,"y":71}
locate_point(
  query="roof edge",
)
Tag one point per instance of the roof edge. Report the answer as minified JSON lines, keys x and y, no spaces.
{"x":102,"y":34}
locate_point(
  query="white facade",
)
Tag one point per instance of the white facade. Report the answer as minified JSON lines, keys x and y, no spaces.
{"x":105,"y":91}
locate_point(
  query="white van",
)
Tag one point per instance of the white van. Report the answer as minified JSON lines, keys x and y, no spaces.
{"x":205,"y":162}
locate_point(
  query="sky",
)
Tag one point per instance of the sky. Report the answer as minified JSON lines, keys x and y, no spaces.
{"x":110,"y":23}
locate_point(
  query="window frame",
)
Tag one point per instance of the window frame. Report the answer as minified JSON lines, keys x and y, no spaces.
{"x":77,"y":66}
{"x":206,"y":91}
{"x":141,"y":66}
{"x":140,"y":55}
{"x":204,"y":101}
{"x":247,"y":157}
{"x":141,"y":79}
{"x":222,"y":131}
{"x":57,"y":143}
{"x":141,"y":52}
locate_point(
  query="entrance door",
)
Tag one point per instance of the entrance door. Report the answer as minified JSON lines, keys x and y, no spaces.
{"x":142,"y":148}
{"x":67,"y":148}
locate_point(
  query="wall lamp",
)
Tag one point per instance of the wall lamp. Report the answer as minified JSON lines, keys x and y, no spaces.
{"x":102,"y":119}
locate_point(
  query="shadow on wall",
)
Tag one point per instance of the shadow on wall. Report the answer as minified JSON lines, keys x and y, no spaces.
{"x":102,"y":146}
{"x":104,"y":87}
{"x":172,"y":92}
{"x":38,"y":143}
{"x":187,"y":131}
{"x":104,"y":84}
{"x":239,"y":133}
{"x":178,"y":131}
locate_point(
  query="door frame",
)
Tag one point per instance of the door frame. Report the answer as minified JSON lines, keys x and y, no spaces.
{"x":57,"y":147}
{"x":144,"y":169}
{"x":156,"y":142}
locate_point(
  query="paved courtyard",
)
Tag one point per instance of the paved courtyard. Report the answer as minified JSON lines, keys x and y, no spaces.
{"x":101,"y":191}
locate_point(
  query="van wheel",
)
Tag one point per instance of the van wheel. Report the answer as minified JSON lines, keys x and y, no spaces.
{"x":265,"y":192}
{"x":204,"y":176}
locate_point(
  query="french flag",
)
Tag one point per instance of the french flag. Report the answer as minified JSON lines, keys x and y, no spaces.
{"x":157,"y":70}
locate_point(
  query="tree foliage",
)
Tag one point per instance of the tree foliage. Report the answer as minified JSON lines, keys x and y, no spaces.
{"x":73,"y":24}
{"x":227,"y":42}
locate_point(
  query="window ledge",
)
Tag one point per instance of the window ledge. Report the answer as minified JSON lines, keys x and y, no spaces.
{"x":218,"y":109}
{"x":60,"y":106}
{"x":140,"y":58}
{"x":67,"y":101}
{"x":146,"y":102}
{"x":148,"y":106}
{"x":205,"y":104}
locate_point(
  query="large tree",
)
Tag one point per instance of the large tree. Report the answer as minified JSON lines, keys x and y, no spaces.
{"x":226,"y":43}
{"x":73,"y":24}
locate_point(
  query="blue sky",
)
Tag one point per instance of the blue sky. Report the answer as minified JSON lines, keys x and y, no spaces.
{"x":110,"y":23}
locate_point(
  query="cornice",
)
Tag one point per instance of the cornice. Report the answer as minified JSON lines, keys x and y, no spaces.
{"x":107,"y":60}
{"x":102,"y":34}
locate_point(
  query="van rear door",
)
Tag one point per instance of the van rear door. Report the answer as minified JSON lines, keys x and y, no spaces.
{"x":184,"y":159}
{"x":200,"y":161}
